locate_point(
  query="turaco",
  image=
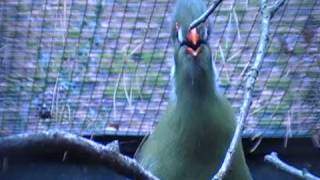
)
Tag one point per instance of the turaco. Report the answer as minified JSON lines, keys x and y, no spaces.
{"x":192,"y":136}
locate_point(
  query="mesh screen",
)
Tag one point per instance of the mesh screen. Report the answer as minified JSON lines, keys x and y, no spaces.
{"x":102,"y":66}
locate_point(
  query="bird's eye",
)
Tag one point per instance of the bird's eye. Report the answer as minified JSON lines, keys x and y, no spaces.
{"x":179,"y":33}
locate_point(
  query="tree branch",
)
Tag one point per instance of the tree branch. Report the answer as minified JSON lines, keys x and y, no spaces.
{"x":273,"y":159}
{"x":205,"y":15}
{"x":274,"y":8}
{"x":267,"y":13}
{"x":52,"y":140}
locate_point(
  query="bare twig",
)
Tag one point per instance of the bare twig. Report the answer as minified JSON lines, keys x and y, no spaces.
{"x":66,"y":142}
{"x":267,"y":13}
{"x":237,"y":23}
{"x":223,"y":58}
{"x":273,"y":159}
{"x":288,"y":129}
{"x":234,"y":55}
{"x":69,"y":113}
{"x":127,"y":56}
{"x":64,"y":157}
{"x":272,"y":9}
{"x":114,"y":97}
{"x":53,"y":103}
{"x":205,"y":15}
{"x":244,"y":70}
{"x":256,"y":145}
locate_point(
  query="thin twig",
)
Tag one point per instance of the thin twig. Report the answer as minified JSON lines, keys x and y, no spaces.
{"x":205,"y":15}
{"x":274,"y":8}
{"x":61,"y":113}
{"x":256,"y":145}
{"x":58,"y":141}
{"x":235,"y":16}
{"x":267,"y":13}
{"x":64,"y":157}
{"x":234,"y":55}
{"x":244,"y":70}
{"x":273,"y":159}
{"x":127,"y":56}
{"x":54,"y":95}
{"x":223,"y":58}
{"x":288,"y":129}
{"x":57,"y":104}
{"x":69,"y":113}
{"x":114,"y":97}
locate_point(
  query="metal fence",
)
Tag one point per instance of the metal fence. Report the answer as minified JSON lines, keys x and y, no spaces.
{"x":102,"y":66}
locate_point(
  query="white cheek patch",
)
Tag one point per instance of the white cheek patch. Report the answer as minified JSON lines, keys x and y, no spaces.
{"x":205,"y":34}
{"x":180,"y":36}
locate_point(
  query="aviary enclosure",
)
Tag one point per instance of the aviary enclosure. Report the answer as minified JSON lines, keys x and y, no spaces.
{"x":77,"y":74}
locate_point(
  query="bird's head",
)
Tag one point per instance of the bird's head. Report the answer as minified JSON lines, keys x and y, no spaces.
{"x":191,"y":41}
{"x":192,"y":53}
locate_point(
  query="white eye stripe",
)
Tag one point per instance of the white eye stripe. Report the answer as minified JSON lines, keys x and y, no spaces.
{"x":180,"y":36}
{"x":205,"y":34}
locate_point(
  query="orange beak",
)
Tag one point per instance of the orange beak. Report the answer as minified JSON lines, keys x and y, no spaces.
{"x":193,"y":37}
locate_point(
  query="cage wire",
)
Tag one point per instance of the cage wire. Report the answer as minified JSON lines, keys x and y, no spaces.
{"x":102,"y":66}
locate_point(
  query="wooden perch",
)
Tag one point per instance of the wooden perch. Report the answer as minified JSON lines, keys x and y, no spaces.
{"x":267,"y":12}
{"x":108,"y":155}
{"x":273,"y":159}
{"x":205,"y":15}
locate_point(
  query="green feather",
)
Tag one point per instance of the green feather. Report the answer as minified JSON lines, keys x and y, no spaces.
{"x":193,"y":135}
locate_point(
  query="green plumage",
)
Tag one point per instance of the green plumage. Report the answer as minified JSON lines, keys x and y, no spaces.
{"x":193,"y":135}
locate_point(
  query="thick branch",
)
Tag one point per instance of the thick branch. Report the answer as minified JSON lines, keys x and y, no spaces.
{"x":273,"y":159}
{"x":252,"y":76}
{"x":67,"y":142}
{"x":205,"y":15}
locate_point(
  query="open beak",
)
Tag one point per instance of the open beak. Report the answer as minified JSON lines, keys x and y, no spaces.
{"x":193,"y":37}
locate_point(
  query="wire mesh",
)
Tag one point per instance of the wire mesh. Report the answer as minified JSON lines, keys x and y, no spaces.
{"x":102,"y":66}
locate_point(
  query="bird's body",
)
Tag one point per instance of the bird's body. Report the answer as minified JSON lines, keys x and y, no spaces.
{"x":193,"y":135}
{"x":190,"y":143}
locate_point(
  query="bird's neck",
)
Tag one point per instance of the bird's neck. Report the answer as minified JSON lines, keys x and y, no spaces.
{"x":195,"y":91}
{"x":193,"y":111}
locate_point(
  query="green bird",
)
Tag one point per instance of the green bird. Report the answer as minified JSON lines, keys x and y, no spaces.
{"x":192,"y":137}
